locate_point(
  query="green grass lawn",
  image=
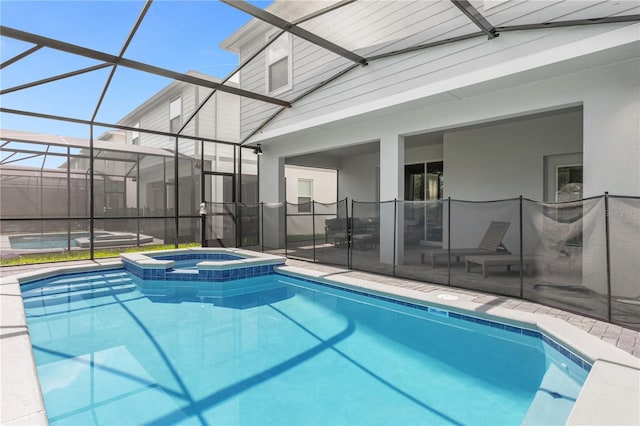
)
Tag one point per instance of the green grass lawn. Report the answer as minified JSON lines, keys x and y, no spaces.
{"x":29,"y":259}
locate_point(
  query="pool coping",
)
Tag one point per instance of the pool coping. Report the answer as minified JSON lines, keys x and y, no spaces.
{"x":611,"y":392}
{"x":147,"y":260}
{"x":609,"y":395}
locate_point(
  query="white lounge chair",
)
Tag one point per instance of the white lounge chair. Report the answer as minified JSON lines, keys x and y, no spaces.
{"x":490,"y":244}
{"x":550,"y":250}
{"x":507,"y":260}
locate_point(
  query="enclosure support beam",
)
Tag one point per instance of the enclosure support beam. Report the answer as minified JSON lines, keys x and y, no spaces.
{"x":92,"y":212}
{"x":139,"y":66}
{"x":54,"y":78}
{"x":476,"y":17}
{"x":145,"y":8}
{"x":100,"y":124}
{"x":20,"y":56}
{"x":259,"y":51}
{"x":278,"y":22}
{"x":570,"y":23}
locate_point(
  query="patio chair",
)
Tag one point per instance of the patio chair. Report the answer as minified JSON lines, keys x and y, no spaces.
{"x":336,"y":228}
{"x":507,"y":260}
{"x":490,"y":244}
{"x":551,"y":250}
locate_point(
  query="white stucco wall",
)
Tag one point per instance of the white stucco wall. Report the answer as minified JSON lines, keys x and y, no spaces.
{"x":325,"y":183}
{"x":425,"y":153}
{"x":507,"y":160}
{"x":358,"y":176}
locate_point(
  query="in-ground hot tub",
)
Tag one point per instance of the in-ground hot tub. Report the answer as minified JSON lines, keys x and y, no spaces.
{"x":200,"y":264}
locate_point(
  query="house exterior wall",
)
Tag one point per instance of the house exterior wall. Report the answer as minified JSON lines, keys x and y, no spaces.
{"x":447,"y":89}
{"x":508,"y":157}
{"x":610,"y":124}
{"x":325,"y":183}
{"x":227,"y":114}
{"x":218,"y":119}
{"x":358,"y":177}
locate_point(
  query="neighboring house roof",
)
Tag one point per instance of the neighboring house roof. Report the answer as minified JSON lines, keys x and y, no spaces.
{"x":84,"y":144}
{"x":161,"y":96}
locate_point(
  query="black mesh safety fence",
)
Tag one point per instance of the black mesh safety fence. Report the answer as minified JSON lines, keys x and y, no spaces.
{"x":421,"y":223}
{"x":581,"y":256}
{"x":248,"y":226}
{"x":301,"y":238}
{"x":273,"y":228}
{"x":481,"y":246}
{"x":565,"y":255}
{"x":330,"y":220}
{"x":369,"y":225}
{"x":624,"y":254}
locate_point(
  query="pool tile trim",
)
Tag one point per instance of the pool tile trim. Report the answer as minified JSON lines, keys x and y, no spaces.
{"x":218,"y":264}
{"x":567,"y":353}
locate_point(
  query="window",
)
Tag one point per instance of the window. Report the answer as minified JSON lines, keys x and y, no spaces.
{"x":424,"y":181}
{"x":175,"y":115}
{"x":305,"y":195}
{"x":135,"y":135}
{"x":563,"y":177}
{"x":279,"y":64}
{"x":569,"y":183}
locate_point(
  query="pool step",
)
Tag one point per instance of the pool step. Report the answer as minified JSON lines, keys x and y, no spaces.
{"x":84,"y":293}
{"x":245,"y":297}
{"x":72,"y":284}
{"x":553,"y":400}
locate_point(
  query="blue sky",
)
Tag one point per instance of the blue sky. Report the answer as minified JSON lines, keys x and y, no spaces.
{"x":177,"y":35}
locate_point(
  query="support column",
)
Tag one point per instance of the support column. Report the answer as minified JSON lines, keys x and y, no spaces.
{"x":272,"y":190}
{"x":391,"y":188}
{"x":611,"y":154}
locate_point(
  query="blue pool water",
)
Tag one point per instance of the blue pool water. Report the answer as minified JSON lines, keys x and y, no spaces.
{"x":189,"y":261}
{"x":276,"y":350}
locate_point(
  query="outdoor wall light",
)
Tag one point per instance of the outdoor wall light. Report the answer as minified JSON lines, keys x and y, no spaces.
{"x":257,"y":150}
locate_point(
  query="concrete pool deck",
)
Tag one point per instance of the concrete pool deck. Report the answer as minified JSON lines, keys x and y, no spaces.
{"x":609,"y":396}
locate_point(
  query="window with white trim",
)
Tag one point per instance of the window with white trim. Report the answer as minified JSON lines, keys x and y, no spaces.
{"x":175,"y":115}
{"x":279,"y":64}
{"x":305,"y":195}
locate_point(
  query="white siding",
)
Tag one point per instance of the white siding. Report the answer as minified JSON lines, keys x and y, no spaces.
{"x":156,"y":117}
{"x":227,"y":117}
{"x":403,"y":73}
{"x":206,"y":118}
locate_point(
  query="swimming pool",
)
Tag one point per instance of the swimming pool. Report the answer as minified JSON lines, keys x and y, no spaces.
{"x":45,"y":241}
{"x":276,"y":349}
{"x":63,"y":240}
